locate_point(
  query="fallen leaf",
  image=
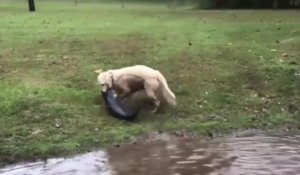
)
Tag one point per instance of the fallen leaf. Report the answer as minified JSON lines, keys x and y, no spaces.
{"x":273,"y":50}
{"x":264,"y":110}
{"x":36,"y":131}
{"x":57,"y":125}
{"x":294,"y":31}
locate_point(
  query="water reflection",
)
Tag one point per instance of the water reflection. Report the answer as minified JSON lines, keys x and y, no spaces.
{"x":169,"y":156}
{"x":259,"y":154}
{"x":254,"y":154}
{"x":93,"y":163}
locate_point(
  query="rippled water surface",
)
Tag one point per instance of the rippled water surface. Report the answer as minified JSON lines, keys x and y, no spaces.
{"x":259,"y":154}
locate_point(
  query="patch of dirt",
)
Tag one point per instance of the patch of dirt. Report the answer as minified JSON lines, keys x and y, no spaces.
{"x":131,"y":45}
{"x":35,"y":82}
{"x":253,"y":81}
{"x":290,"y":40}
{"x":191,"y":68}
{"x":160,"y":135}
{"x":69,"y":60}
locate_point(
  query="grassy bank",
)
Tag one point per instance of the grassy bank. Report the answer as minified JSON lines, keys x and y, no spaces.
{"x":229,"y":70}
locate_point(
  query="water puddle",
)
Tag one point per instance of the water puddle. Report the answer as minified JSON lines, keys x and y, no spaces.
{"x":93,"y":163}
{"x":163,"y":154}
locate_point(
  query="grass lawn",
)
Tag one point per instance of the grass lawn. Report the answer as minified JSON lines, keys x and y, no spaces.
{"x":229,"y":70}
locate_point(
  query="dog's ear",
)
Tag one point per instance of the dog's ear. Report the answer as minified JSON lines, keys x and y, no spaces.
{"x":98,"y":71}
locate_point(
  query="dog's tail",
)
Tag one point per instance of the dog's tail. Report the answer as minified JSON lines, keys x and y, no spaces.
{"x":166,"y":92}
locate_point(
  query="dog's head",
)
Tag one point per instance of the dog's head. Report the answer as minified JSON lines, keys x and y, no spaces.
{"x":104,"y":79}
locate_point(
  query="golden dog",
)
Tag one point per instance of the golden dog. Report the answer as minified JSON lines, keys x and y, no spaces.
{"x":128,"y":80}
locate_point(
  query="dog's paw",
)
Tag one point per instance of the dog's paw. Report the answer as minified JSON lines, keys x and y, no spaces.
{"x":154,"y":111}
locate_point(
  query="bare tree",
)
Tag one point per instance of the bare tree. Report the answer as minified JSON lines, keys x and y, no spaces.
{"x":122,"y":2}
{"x":31,"y":5}
{"x":275,"y":4}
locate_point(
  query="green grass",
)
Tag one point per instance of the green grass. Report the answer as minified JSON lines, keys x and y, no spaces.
{"x":218,"y":63}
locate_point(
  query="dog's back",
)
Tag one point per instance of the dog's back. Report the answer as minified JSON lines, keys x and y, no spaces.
{"x":135,"y":76}
{"x":138,"y":70}
{"x":134,"y":83}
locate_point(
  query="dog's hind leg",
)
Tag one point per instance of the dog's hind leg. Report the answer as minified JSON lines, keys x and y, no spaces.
{"x":150,"y":87}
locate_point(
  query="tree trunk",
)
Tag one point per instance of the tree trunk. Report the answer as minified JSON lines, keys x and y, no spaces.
{"x":31,"y":5}
{"x":123,"y":5}
{"x":75,"y":2}
{"x":275,"y":4}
